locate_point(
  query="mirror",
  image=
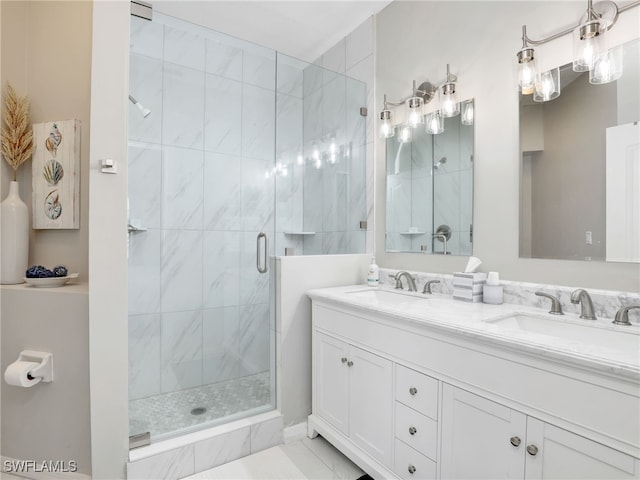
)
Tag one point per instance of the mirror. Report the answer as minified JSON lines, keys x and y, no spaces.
{"x":430,"y":190}
{"x":580,"y":171}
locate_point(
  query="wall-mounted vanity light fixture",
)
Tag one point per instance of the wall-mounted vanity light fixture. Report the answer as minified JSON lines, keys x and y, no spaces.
{"x":421,"y":95}
{"x":590,"y":52}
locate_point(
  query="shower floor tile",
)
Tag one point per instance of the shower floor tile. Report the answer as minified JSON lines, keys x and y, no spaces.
{"x":169,"y":412}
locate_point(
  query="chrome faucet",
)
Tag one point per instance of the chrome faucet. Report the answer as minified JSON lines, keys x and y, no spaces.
{"x":622,"y":315}
{"x":582,"y":297}
{"x":443,"y":238}
{"x":556,"y":306}
{"x":411,"y":283}
{"x":427,"y":286}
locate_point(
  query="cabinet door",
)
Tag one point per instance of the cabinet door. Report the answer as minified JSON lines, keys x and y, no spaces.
{"x":331,"y":381}
{"x":554,"y":453}
{"x":371,"y":404}
{"x":477,"y":437}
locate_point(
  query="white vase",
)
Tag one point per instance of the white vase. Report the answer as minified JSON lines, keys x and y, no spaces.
{"x":14,"y":237}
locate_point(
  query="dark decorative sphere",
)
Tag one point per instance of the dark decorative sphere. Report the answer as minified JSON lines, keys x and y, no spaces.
{"x":60,"y":271}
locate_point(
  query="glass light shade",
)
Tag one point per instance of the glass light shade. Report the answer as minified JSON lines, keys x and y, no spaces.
{"x":607,"y":67}
{"x":547,"y":86}
{"x":300,"y":158}
{"x":527,"y":70}
{"x":467,"y":113}
{"x":387,"y":129}
{"x":435,"y":123}
{"x":448,"y":101}
{"x":414,"y":111}
{"x":587,"y":46}
{"x":405,"y":134}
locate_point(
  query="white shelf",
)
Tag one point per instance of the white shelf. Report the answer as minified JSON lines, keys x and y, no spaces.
{"x":413,"y":233}
{"x":299,"y":233}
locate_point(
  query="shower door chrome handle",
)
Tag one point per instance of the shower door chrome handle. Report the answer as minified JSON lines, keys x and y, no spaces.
{"x":265,"y":267}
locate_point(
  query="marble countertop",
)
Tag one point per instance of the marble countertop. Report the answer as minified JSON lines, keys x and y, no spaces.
{"x":614,"y":350}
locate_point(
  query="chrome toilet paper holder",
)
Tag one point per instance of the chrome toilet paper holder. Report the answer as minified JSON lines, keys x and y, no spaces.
{"x":44,"y":370}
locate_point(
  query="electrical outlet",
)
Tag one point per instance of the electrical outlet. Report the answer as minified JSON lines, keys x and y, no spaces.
{"x":588,"y":238}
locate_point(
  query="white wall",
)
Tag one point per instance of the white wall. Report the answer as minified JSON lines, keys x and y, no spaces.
{"x":108,"y":241}
{"x":48,"y":420}
{"x":415,"y":40}
{"x":295,"y":276}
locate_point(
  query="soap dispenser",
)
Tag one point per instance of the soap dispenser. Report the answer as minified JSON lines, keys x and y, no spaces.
{"x":373,"y":276}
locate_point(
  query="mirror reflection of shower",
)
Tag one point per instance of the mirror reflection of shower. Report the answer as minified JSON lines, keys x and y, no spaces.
{"x":145,"y":111}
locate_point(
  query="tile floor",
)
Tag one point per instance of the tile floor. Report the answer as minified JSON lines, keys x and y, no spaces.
{"x":307,"y":459}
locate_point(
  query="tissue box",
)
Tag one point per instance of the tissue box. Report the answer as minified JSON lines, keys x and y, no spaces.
{"x":468,"y":279}
{"x":468,"y":286}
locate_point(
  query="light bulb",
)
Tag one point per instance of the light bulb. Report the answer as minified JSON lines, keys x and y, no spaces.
{"x":300,"y":158}
{"x":467,"y":113}
{"x":587,"y":45}
{"x":414,"y":111}
{"x":315,"y":153}
{"x":449,"y":103}
{"x":527,"y":70}
{"x":386,"y":127}
{"x":547,"y":86}
{"x":405,"y":134}
{"x":607,"y":67}
{"x":435,"y":123}
{"x":318,"y":163}
{"x":333,"y":148}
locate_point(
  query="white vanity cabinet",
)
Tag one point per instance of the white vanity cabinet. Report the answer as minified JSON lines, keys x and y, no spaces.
{"x":354,"y":393}
{"x":408,"y":399}
{"x":482,"y":439}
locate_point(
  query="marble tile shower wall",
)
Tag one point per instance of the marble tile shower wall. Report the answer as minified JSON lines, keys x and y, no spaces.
{"x":199,"y":311}
{"x":317,"y":103}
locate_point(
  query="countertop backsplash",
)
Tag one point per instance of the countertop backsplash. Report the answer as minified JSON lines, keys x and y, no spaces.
{"x":605,"y":302}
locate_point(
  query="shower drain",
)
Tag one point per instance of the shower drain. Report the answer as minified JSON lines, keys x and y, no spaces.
{"x":198,"y":411}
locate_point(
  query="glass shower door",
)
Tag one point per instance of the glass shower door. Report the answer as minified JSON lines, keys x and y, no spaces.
{"x":201,"y":321}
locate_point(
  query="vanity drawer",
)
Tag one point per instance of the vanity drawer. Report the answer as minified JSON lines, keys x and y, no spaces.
{"x":416,"y":430}
{"x":408,"y":461}
{"x":417,"y":391}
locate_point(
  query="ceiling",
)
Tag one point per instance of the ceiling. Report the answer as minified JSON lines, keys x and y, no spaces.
{"x":301,"y":29}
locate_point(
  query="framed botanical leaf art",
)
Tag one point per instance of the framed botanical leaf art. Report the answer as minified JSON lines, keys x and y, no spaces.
{"x":56,"y":175}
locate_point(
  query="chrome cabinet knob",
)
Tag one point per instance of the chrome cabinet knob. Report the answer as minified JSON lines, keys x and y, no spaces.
{"x":413,"y":390}
{"x":411,"y":469}
{"x":532,"y":450}
{"x":344,"y":359}
{"x":350,"y":363}
{"x":412,"y":430}
{"x":515,"y":441}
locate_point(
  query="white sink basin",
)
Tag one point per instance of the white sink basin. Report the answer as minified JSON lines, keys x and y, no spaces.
{"x":385,"y":297}
{"x":581,"y":331}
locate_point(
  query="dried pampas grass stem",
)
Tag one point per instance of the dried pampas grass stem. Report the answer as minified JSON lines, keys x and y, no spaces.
{"x":17,"y":134}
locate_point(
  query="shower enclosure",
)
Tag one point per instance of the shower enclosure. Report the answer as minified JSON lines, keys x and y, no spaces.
{"x":246,"y":154}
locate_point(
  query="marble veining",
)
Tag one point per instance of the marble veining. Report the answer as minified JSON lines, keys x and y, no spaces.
{"x":442,"y":314}
{"x":222,"y":195}
{"x":183,"y":107}
{"x":223,"y":115}
{"x":606,"y":302}
{"x":224,"y":59}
